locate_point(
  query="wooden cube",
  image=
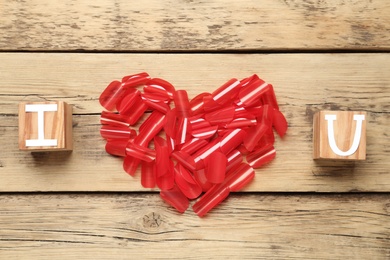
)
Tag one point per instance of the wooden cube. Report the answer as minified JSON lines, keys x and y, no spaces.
{"x":45,"y":126}
{"x":339,"y":135}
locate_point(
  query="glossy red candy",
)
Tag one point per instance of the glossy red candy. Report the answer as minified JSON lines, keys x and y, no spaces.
{"x":203,"y":153}
{"x":200,"y":177}
{"x":216,"y":167}
{"x":111,"y":118}
{"x":112,"y":95}
{"x":231,"y":140}
{"x":279,"y":122}
{"x":227,"y":92}
{"x":234,"y":158}
{"x":209,"y":104}
{"x":161,"y":86}
{"x":130,"y":164}
{"x":148,"y":174}
{"x":150,"y":128}
{"x":214,"y":196}
{"x":133,"y":109}
{"x":249,"y":80}
{"x":197,"y":103}
{"x":175,"y":198}
{"x":183,"y":108}
{"x":193,"y":145}
{"x":183,"y":129}
{"x":261,"y":156}
{"x":117,"y":132}
{"x":187,"y":147}
{"x":158,"y":106}
{"x":135,"y":80}
{"x":115,"y":91}
{"x":241,"y":123}
{"x":221,"y":116}
{"x":250,"y":94}
{"x":204,"y":133}
{"x":186,"y":182}
{"x":269,"y":98}
{"x":184,"y":159}
{"x":235,"y":181}
{"x":166,"y":181}
{"x":164,"y":166}
{"x":140,"y":152}
{"x":117,"y":147}
{"x":126,"y":104}
{"x":199,"y":123}
{"x":170,"y":123}
{"x":239,"y":177}
{"x":253,"y":135}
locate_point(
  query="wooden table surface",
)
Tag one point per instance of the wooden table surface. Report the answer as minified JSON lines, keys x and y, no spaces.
{"x":82,"y":205}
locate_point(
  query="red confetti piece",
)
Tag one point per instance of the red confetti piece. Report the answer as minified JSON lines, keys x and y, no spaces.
{"x":212,"y":142}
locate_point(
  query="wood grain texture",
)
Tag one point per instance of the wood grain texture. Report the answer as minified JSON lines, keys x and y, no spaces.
{"x":175,"y":25}
{"x":141,"y":226}
{"x":304,"y":84}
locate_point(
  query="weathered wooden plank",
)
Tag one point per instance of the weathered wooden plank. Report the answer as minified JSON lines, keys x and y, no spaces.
{"x":304,"y":83}
{"x":244,"y":227}
{"x":154,"y":25}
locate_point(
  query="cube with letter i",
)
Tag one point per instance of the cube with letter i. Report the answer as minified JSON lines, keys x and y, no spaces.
{"x":339,"y":135}
{"x":45,"y":126}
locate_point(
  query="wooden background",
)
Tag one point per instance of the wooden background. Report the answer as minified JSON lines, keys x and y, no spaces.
{"x":81,"y":205}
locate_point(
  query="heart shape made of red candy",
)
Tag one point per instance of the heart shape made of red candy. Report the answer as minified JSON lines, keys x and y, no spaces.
{"x":205,"y":147}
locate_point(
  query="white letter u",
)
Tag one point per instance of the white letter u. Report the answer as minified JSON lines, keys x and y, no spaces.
{"x":356,"y":140}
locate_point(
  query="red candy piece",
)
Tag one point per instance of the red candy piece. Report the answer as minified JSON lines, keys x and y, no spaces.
{"x":250,"y":94}
{"x":150,"y":128}
{"x":140,"y":152}
{"x":111,"y":118}
{"x":227,"y":92}
{"x":253,"y":135}
{"x":135,"y":80}
{"x":185,"y":159}
{"x":234,"y":158}
{"x":183,"y":108}
{"x":261,"y":156}
{"x":193,"y":145}
{"x":197,"y":103}
{"x":280,"y":123}
{"x":164,"y":166}
{"x":231,"y":140}
{"x":161,"y":86}
{"x":216,"y":167}
{"x":130,"y":164}
{"x":175,"y":198}
{"x":200,"y":176}
{"x":186,"y":182}
{"x":206,"y":138}
{"x":112,"y":95}
{"x":115,"y":91}
{"x":204,"y":133}
{"x":221,"y":116}
{"x":117,"y":132}
{"x":117,"y":147}
{"x":148,"y":174}
{"x":214,"y":196}
{"x":235,"y":180}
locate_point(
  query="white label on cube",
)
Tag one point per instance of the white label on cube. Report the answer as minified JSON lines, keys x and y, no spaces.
{"x":356,"y":139}
{"x":41,"y":109}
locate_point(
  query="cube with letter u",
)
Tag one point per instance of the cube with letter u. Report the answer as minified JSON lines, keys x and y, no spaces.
{"x":45,"y":126}
{"x":339,"y":135}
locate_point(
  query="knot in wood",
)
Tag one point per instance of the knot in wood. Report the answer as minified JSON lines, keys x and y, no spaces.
{"x":152,"y":220}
